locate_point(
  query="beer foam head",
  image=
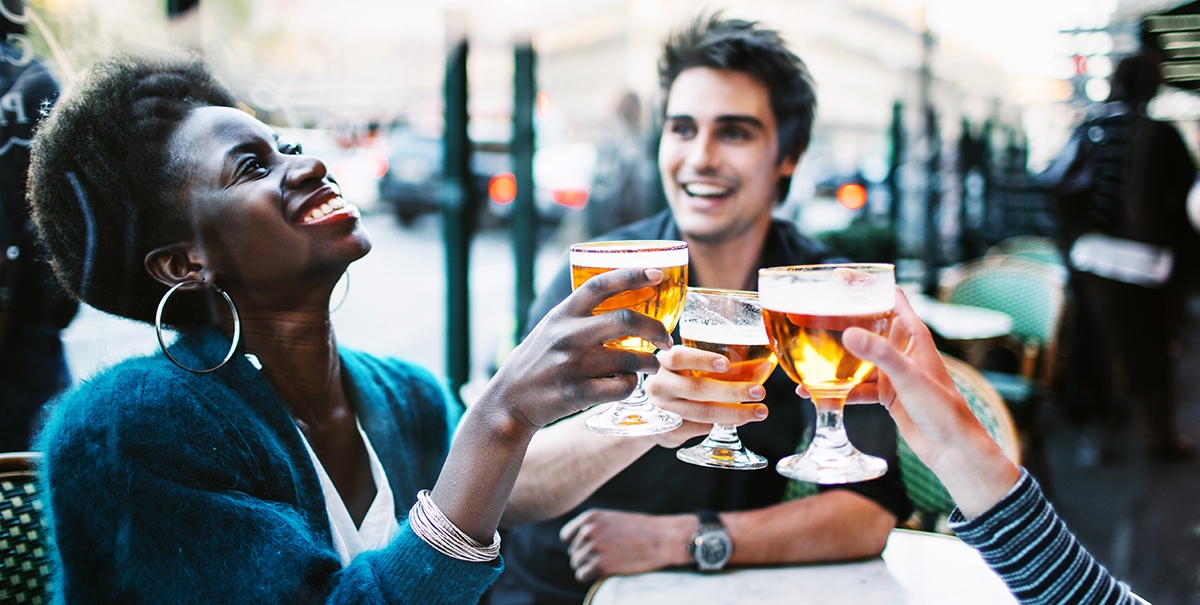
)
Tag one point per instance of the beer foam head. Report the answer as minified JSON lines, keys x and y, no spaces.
{"x":627,"y":254}
{"x":827,"y":298}
{"x":723,"y":334}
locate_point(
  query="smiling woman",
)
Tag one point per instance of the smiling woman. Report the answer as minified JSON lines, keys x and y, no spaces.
{"x":203,"y":476}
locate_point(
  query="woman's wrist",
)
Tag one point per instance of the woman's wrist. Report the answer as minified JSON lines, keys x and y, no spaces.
{"x":977,"y":477}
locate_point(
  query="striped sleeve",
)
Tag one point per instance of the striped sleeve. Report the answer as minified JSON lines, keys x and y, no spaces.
{"x":1029,"y":547}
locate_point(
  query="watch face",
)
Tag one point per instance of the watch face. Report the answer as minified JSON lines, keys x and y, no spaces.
{"x":713,"y":550}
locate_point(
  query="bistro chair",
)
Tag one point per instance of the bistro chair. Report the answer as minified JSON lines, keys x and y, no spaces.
{"x":1035,"y":300}
{"x":931,"y":502}
{"x":24,"y":562}
{"x":1036,"y":248}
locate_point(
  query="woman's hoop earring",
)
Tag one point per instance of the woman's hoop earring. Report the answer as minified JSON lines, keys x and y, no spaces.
{"x":345,"y":293}
{"x":158,"y":329}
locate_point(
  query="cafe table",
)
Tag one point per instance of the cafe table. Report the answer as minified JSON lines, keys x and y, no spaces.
{"x":973,"y":330}
{"x":916,"y":568}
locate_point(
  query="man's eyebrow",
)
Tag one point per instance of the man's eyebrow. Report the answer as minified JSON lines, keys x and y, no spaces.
{"x":722,"y":119}
{"x":740,"y":119}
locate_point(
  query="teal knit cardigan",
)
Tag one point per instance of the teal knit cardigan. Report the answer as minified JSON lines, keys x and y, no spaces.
{"x":166,"y":486}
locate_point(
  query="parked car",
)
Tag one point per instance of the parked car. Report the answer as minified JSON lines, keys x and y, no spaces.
{"x":414,"y":175}
{"x":412,"y":182}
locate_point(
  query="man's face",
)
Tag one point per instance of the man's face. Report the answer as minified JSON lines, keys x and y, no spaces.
{"x":719,"y":154}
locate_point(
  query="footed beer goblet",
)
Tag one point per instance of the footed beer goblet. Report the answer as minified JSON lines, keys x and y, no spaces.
{"x":728,"y":322}
{"x":806,"y":308}
{"x":636,"y":414}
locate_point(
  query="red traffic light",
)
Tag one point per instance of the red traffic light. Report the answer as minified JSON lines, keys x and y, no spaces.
{"x":502,"y":188}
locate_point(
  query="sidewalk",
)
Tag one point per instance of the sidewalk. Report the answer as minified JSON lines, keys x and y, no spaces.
{"x":1141,"y":521}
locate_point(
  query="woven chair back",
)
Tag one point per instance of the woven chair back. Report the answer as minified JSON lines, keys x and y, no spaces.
{"x":24,"y":563}
{"x":928,"y":495}
{"x":1022,"y":289}
{"x":1036,"y":248}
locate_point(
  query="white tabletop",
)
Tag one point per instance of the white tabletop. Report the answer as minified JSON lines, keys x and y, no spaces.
{"x":960,"y":322}
{"x":916,"y":568}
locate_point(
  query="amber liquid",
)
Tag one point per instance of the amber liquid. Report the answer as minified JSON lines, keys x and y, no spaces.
{"x":747,"y":363}
{"x":811,"y":352}
{"x":663,"y":301}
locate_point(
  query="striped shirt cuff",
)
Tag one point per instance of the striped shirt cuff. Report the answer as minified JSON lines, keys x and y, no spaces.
{"x":1029,"y":547}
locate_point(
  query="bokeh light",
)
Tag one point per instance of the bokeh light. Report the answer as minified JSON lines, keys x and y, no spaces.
{"x":544,"y":104}
{"x":502,"y":188}
{"x":852,"y":196}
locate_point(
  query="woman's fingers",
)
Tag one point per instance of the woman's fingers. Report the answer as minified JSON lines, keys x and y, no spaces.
{"x":601,"y":287}
{"x":900,"y":370}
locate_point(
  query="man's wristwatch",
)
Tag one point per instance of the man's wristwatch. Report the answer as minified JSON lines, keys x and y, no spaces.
{"x":710,"y":546}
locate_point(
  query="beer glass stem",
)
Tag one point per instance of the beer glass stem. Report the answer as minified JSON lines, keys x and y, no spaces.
{"x":830,"y":433}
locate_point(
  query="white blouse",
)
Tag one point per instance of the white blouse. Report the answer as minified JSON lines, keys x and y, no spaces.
{"x":378,"y":527}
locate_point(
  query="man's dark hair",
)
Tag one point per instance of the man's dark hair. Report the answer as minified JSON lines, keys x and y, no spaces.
{"x":103,"y":190}
{"x":745,"y":46}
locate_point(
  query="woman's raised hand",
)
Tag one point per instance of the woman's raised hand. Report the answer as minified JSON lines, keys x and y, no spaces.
{"x":935,"y":420}
{"x":563,"y":367}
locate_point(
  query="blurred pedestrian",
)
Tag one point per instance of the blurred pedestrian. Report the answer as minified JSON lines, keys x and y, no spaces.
{"x":33,"y":309}
{"x":621,"y":182}
{"x":1123,"y":204}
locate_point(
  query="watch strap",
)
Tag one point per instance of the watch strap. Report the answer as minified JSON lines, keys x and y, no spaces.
{"x":709,"y":519}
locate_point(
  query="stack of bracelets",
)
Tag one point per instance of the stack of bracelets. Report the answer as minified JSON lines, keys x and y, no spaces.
{"x":428,"y":522}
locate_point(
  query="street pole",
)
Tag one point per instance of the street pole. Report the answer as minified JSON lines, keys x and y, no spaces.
{"x":895,"y":162}
{"x":524,"y":213}
{"x":933,"y":164}
{"x":458,"y":205}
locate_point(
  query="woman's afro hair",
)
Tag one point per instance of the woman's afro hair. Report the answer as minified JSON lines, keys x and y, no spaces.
{"x":102,"y":189}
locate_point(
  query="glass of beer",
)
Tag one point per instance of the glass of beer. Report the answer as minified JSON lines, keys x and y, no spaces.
{"x":636,"y":414}
{"x":806,"y":308}
{"x":728,"y":322}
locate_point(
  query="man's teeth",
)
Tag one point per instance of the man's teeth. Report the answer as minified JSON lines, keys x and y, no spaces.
{"x":705,"y":190}
{"x":332,"y":206}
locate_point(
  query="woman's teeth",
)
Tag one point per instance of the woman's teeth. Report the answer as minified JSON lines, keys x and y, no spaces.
{"x":705,"y":190}
{"x":332,"y":206}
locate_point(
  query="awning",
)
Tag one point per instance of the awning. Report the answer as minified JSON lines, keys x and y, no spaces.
{"x":1177,"y":33}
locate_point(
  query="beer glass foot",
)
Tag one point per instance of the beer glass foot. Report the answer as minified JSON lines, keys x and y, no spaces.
{"x":633,"y":416}
{"x":721,"y":456}
{"x":838,"y":466}
{"x":632,"y":421}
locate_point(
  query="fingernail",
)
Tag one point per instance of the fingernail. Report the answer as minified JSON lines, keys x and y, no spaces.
{"x":760,"y":412}
{"x":654,"y":274}
{"x":757,"y":392}
{"x":720,"y":364}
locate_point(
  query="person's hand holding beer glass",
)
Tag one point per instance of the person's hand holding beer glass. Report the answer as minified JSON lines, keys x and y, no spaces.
{"x":806,"y":308}
{"x":727,"y":322}
{"x":636,"y":414}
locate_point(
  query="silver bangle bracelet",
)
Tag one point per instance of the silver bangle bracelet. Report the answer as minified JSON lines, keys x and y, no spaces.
{"x":428,"y":522}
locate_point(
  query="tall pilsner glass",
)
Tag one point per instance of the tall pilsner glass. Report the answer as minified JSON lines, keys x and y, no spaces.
{"x":806,"y":308}
{"x":636,"y":414}
{"x":728,"y":322}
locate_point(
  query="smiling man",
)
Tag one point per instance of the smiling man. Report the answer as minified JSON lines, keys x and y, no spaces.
{"x":738,"y":113}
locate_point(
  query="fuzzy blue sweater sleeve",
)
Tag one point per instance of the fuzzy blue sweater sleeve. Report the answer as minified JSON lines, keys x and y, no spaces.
{"x":167,"y":487}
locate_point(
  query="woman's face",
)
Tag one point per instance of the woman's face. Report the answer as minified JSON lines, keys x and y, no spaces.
{"x":267,"y":221}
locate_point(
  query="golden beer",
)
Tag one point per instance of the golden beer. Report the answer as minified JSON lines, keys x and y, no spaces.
{"x":812,"y":352}
{"x":806,"y":309}
{"x":750,"y":356}
{"x":663,"y":301}
{"x":636,"y":414}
